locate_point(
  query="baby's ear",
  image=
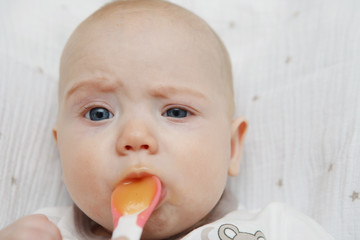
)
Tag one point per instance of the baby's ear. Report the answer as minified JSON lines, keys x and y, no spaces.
{"x":239,"y":127}
{"x":54,"y":132}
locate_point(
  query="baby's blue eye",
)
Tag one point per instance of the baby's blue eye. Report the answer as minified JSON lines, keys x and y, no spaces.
{"x":98,"y":114}
{"x":176,"y":113}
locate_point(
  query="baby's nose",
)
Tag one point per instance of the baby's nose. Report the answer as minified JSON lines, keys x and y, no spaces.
{"x":136,"y":136}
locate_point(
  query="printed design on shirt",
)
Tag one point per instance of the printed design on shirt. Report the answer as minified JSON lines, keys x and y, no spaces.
{"x":231,"y":232}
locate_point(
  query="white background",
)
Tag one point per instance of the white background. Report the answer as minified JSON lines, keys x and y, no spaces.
{"x":297,"y":80}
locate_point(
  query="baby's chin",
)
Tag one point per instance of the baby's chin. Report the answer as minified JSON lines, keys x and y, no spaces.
{"x":165,"y":223}
{"x":160,"y":226}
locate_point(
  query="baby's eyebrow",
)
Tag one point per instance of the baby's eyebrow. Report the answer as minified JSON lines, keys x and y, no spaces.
{"x":100,"y":84}
{"x":105,"y":85}
{"x":167,"y":91}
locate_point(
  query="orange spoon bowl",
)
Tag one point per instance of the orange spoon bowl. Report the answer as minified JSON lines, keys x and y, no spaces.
{"x":137,"y":197}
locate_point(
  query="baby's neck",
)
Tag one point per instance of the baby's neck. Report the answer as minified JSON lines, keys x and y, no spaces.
{"x":226,"y":204}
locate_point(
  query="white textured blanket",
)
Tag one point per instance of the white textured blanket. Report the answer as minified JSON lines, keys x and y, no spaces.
{"x":297,"y":80}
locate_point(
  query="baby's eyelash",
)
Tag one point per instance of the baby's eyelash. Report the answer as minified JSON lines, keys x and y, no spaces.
{"x":190,"y":110}
{"x":87,"y":108}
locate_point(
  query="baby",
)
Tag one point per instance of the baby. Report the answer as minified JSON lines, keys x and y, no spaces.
{"x":145,"y":89}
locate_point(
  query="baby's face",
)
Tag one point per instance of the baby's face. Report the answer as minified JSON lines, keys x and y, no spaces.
{"x":141,"y":97}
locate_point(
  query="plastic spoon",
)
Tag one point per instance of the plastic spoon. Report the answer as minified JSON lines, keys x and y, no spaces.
{"x":132,"y":202}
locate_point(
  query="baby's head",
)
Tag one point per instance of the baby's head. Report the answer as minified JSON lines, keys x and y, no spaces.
{"x":145,"y":89}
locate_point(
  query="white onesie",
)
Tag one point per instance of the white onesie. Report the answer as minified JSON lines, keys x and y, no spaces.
{"x":274,"y":222}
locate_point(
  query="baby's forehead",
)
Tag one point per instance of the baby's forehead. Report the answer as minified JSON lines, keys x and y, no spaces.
{"x":151,"y":19}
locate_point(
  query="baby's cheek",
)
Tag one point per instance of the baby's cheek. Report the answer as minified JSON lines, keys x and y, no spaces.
{"x":82,"y":178}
